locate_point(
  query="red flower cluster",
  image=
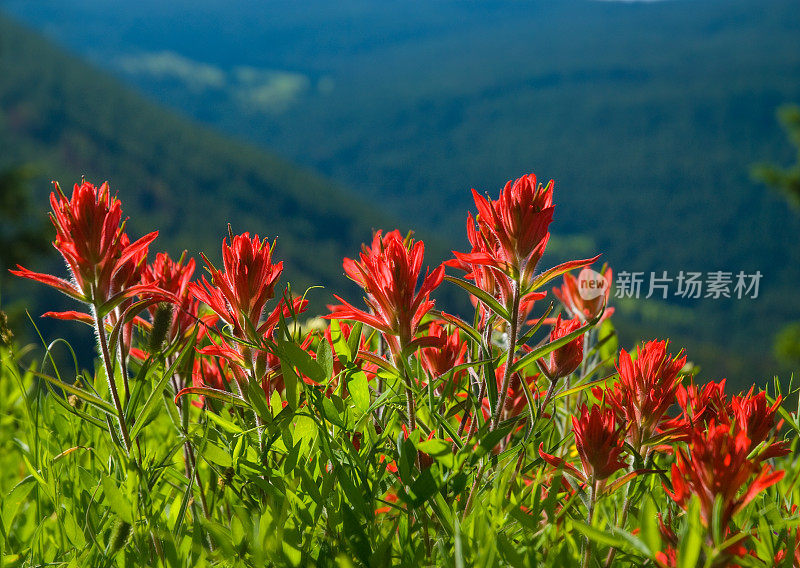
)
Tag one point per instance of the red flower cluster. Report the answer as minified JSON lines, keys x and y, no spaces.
{"x":512,"y":232}
{"x":579,"y":307}
{"x":645,"y":390}
{"x":600,"y":445}
{"x":239,"y":293}
{"x":565,"y":359}
{"x":388,"y":272}
{"x":716,"y":466}
{"x":99,"y":255}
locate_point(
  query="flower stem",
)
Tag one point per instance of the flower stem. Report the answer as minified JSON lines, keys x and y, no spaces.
{"x":512,"y":349}
{"x":107,"y":361}
{"x":587,"y":551}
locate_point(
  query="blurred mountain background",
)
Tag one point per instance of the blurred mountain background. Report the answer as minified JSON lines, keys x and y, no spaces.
{"x":323,"y":120}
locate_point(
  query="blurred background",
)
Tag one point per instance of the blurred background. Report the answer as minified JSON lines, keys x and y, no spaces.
{"x":317,"y":121}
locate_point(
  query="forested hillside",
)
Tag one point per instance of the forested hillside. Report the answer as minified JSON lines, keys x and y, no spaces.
{"x":69,"y":120}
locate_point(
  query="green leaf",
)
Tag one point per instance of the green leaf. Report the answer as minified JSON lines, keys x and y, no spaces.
{"x":358,"y":386}
{"x":155,"y":397}
{"x":15,"y":497}
{"x":325,"y":357}
{"x":116,"y":500}
{"x":691,"y":542}
{"x":439,"y":450}
{"x":483,"y":296}
{"x":648,"y":521}
{"x":217,"y":455}
{"x":222,"y":395}
{"x":289,"y":383}
{"x":598,"y":536}
{"x":300,"y":358}
{"x":343,"y":351}
{"x":423,"y":488}
{"x":72,"y":529}
{"x":223,"y":423}
{"x":459,"y":323}
{"x":80,"y":393}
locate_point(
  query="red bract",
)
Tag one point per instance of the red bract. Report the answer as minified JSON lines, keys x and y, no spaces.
{"x":701,"y":406}
{"x":388,"y":272}
{"x":600,"y":444}
{"x":569,"y":295}
{"x":238,"y":293}
{"x":438,"y":361}
{"x":481,"y":266}
{"x":90,"y":237}
{"x":515,"y":227}
{"x":756,"y":418}
{"x":645,"y":390}
{"x":716,"y":466}
{"x":174,"y":277}
{"x":566,"y":358}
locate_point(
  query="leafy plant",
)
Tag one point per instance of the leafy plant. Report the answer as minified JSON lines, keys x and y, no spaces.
{"x":219,"y":427}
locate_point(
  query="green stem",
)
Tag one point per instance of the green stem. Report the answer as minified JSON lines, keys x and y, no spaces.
{"x":587,"y":551}
{"x":512,"y":349}
{"x":626,"y":507}
{"x":107,"y":361}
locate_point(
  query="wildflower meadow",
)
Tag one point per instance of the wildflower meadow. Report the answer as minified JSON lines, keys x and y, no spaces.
{"x":224,"y":424}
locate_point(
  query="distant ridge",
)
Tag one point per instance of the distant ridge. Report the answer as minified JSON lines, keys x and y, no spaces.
{"x":172,"y":175}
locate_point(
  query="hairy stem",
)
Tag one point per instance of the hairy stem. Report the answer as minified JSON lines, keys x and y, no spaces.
{"x":112,"y":386}
{"x":512,"y":349}
{"x":587,"y":551}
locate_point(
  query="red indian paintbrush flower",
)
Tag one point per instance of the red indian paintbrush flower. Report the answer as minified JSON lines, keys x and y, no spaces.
{"x":516,"y":226}
{"x":600,"y":445}
{"x":388,"y":272}
{"x":645,"y":390}
{"x":174,"y":277}
{"x":238,"y":293}
{"x":438,"y":361}
{"x":576,"y":305}
{"x":756,"y":418}
{"x":700,"y":406}
{"x":566,"y":358}
{"x":481,"y":267}
{"x":716,"y":466}
{"x":90,"y":236}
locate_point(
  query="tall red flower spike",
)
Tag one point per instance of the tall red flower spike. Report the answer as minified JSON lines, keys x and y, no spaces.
{"x":600,"y":445}
{"x":90,"y":237}
{"x":388,"y":272}
{"x":489,"y":274}
{"x":576,"y":305}
{"x":716,"y":466}
{"x":756,"y":418}
{"x":516,"y":225}
{"x":438,"y":361}
{"x":645,"y":390}
{"x":238,"y":293}
{"x":700,"y":406}
{"x":566,"y":358}
{"x":174,"y":277}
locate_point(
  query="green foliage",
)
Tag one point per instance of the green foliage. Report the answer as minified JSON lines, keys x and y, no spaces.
{"x":786,"y":180}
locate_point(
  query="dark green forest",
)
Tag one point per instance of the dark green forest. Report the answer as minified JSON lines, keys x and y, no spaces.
{"x":649,"y":117}
{"x":63,"y":120}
